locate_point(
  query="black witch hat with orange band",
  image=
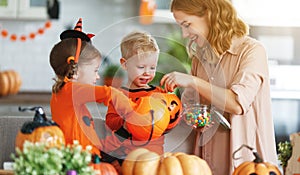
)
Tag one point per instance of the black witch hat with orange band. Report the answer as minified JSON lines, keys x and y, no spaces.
{"x":77,"y":33}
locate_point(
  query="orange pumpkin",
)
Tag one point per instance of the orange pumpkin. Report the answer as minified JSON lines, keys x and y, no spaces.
{"x":150,"y":118}
{"x":142,"y":161}
{"x":10,"y":82}
{"x":175,"y":109}
{"x":4,"y":84}
{"x":15,"y":82}
{"x":257,"y":166}
{"x":103,"y":168}
{"x":40,"y":130}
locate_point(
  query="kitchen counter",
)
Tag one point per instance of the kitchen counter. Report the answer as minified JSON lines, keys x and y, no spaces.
{"x":6,"y":172}
{"x":26,"y":98}
{"x":9,"y":105}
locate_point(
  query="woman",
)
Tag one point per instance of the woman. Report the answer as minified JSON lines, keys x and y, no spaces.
{"x":230,"y":72}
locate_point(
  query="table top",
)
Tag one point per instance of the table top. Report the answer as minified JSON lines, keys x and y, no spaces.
{"x":6,"y":172}
{"x":43,"y":98}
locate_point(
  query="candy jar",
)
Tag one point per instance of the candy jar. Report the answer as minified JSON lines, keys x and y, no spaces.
{"x":198,"y":116}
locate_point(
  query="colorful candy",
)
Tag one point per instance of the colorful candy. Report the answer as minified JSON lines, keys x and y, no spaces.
{"x":197,"y":116}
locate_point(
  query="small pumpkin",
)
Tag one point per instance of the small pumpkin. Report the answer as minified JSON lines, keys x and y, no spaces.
{"x":15,"y":82}
{"x":103,"y":168}
{"x":149,"y":119}
{"x":4,"y":84}
{"x":40,"y":130}
{"x":141,"y":161}
{"x":255,"y":167}
{"x":10,"y":82}
{"x":175,"y":108}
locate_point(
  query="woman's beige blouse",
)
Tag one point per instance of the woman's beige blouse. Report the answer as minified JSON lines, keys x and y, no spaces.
{"x":243,"y":69}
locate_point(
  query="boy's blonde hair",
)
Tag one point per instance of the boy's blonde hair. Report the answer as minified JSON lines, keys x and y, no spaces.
{"x":137,"y":43}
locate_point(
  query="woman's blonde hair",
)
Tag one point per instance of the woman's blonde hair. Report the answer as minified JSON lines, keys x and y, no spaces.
{"x":59,"y":59}
{"x":223,"y":21}
{"x":137,"y":42}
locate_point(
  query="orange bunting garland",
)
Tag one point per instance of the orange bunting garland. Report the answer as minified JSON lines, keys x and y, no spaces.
{"x":24,"y":37}
{"x":13,"y":37}
{"x":4,"y":33}
{"x":32,"y":35}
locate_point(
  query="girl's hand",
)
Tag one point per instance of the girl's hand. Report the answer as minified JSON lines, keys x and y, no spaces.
{"x":176,"y":79}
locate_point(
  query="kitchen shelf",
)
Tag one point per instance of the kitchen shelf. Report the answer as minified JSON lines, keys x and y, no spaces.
{"x":26,"y":98}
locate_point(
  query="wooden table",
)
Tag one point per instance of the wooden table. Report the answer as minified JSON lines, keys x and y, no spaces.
{"x":6,"y":172}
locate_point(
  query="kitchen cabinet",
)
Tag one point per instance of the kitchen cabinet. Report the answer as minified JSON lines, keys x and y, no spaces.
{"x":23,"y":9}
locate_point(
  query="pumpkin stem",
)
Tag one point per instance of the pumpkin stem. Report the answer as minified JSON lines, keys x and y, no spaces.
{"x":39,"y":116}
{"x":257,"y":159}
{"x":96,"y":159}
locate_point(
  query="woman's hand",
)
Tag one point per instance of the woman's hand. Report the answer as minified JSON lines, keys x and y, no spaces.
{"x":176,"y":79}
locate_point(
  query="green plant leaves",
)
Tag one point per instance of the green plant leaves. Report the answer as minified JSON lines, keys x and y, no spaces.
{"x":37,"y":159}
{"x":284,"y":152}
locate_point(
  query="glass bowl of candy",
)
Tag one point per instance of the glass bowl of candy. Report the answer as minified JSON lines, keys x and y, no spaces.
{"x":197,"y":115}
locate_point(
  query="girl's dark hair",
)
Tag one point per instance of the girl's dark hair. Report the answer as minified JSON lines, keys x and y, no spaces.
{"x":59,"y":59}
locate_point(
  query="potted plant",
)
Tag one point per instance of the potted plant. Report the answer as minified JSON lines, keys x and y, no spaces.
{"x":113,"y":75}
{"x":38,"y":158}
{"x":284,"y":153}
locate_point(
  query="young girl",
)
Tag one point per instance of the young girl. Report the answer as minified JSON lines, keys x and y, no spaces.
{"x":75,"y":62}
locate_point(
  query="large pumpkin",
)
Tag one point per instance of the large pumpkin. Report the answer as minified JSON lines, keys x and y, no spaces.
{"x":175,"y":109}
{"x":40,"y":130}
{"x":10,"y":82}
{"x":144,"y":162}
{"x":149,"y":119}
{"x":255,"y":167}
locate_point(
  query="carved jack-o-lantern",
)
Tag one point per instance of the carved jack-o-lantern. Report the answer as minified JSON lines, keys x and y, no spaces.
{"x":175,"y":109}
{"x":150,"y":118}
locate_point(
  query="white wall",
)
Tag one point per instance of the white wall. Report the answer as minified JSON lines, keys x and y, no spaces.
{"x":110,"y":20}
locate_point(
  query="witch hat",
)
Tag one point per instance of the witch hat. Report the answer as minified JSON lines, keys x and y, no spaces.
{"x":76,"y":33}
